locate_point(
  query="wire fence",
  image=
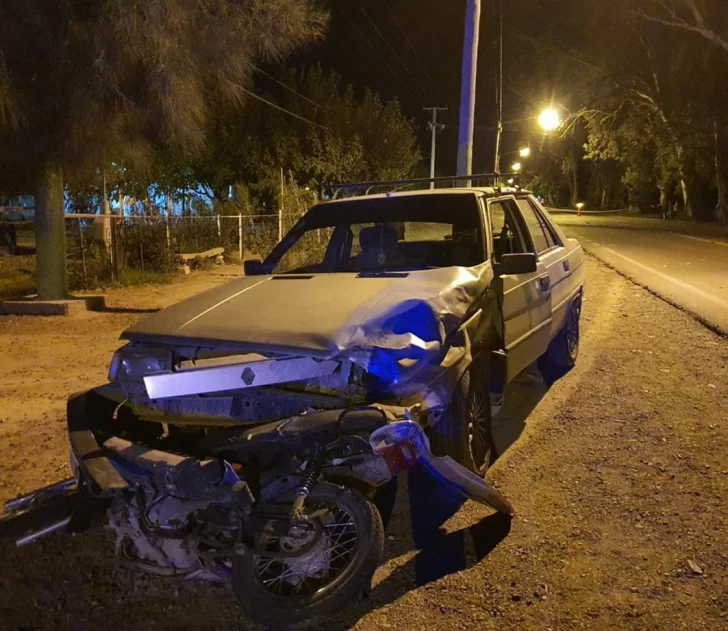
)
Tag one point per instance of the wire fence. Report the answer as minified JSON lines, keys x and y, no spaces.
{"x":104,"y":248}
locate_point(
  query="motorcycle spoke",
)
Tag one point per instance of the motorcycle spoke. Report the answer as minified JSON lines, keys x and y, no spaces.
{"x":342,"y":555}
{"x":318,"y":563}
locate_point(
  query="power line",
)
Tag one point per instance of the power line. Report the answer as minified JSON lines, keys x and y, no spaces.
{"x":410,"y":74}
{"x":366,"y":39}
{"x":282,"y":109}
{"x":397,"y":23}
{"x":287,"y":87}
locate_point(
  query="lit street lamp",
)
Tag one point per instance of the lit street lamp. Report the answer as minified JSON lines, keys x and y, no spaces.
{"x":517,"y":166}
{"x":549,"y":119}
{"x":525,"y":152}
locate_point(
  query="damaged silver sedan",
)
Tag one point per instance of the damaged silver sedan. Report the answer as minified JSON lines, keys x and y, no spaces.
{"x":244,"y":433}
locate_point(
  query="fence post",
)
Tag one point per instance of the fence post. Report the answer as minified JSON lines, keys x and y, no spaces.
{"x":240,"y":236}
{"x":280,"y":208}
{"x":169,"y":237}
{"x":114,"y":255}
{"x":83,"y":254}
{"x":166,"y":216}
{"x":140,"y":236}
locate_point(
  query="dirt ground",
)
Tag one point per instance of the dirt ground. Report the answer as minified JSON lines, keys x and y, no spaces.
{"x":619,"y":476}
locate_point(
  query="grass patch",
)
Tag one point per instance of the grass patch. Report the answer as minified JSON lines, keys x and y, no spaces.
{"x":17,"y":276}
{"x":129,"y":277}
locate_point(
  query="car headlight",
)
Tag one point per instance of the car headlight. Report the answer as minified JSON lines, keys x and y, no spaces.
{"x":134,"y":365}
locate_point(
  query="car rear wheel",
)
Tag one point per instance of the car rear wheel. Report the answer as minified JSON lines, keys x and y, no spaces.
{"x":563,"y":351}
{"x":465,"y":431}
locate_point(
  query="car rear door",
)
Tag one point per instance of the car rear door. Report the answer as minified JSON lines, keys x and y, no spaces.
{"x":526,"y":297}
{"x":565,"y":264}
{"x":553,"y":254}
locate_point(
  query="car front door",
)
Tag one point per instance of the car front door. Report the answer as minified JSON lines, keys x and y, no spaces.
{"x":526,"y":297}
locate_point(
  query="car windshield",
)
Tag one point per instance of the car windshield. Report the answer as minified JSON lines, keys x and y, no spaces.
{"x":383,"y":234}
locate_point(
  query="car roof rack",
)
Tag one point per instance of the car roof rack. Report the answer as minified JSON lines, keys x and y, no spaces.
{"x":492,"y":178}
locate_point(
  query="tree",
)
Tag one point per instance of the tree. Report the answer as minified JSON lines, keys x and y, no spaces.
{"x":326,"y":134}
{"x":705,"y":18}
{"x":657,"y":97}
{"x":95,"y":82}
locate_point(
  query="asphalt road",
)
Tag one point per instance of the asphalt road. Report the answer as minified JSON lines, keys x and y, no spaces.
{"x":688,"y":271}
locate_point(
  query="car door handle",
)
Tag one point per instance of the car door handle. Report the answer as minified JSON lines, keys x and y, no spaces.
{"x":544,"y":282}
{"x":567,"y":265}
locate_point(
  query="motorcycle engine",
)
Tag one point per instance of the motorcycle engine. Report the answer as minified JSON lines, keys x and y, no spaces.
{"x":179,"y":512}
{"x":155,"y":533}
{"x":163,"y":534}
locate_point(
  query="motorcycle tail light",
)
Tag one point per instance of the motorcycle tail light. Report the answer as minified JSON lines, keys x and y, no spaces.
{"x":400,"y":443}
{"x":400,"y":456}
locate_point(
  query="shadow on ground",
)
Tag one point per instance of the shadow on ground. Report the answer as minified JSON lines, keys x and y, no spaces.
{"x":423,"y":505}
{"x":73,"y":582}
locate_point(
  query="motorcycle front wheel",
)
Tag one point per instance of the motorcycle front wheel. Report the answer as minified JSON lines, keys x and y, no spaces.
{"x":289,"y":580}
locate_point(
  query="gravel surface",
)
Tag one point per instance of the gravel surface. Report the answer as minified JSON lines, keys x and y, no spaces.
{"x":619,"y":476}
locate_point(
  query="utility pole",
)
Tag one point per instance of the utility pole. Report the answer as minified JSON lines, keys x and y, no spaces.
{"x":467,"y":88}
{"x":499,"y":133}
{"x":434,"y":127}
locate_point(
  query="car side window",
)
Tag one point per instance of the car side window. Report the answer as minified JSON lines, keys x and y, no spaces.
{"x":541,"y":235}
{"x":507,"y":236}
{"x":542,"y":215}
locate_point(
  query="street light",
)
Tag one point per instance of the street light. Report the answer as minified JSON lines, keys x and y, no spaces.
{"x":525,"y":152}
{"x":549,"y":119}
{"x":517,"y":166}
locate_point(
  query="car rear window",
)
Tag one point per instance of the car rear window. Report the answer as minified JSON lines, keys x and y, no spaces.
{"x":541,"y":234}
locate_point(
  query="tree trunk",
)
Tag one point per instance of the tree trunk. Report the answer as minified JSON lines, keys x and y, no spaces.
{"x":684,"y":185}
{"x":721,"y":177}
{"x":687,"y":202}
{"x":50,"y":237}
{"x":665,"y":208}
{"x":574,"y":187}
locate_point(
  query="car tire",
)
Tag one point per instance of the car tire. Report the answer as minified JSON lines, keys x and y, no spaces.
{"x":563,"y":351}
{"x":465,"y":432}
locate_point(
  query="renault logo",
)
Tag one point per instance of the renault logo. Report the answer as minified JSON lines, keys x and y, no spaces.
{"x":248,"y":376}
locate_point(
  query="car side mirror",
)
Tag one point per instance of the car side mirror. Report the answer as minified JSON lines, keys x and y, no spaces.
{"x":253,"y":267}
{"x":517,"y":264}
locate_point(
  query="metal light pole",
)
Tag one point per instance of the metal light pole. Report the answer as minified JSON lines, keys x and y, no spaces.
{"x":467,"y":88}
{"x":499,"y":133}
{"x":434,"y":127}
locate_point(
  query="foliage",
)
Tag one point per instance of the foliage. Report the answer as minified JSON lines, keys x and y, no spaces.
{"x":652,"y":106}
{"x":85,"y":83}
{"x":111,"y":80}
{"x":343,"y":137}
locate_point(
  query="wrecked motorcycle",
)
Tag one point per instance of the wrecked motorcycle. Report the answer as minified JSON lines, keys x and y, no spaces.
{"x":283,"y":510}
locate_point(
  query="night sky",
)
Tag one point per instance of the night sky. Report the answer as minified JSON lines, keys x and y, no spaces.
{"x":412,"y":50}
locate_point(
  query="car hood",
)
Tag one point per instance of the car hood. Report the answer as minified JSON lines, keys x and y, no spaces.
{"x":322,"y":314}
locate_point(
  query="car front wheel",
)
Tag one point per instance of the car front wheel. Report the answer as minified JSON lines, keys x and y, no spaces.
{"x":464,"y":432}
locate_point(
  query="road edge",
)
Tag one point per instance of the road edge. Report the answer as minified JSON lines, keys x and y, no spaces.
{"x":711,"y":326}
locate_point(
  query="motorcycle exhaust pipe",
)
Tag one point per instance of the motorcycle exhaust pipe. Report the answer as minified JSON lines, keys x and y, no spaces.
{"x":43,"y":532}
{"x":40,"y":513}
{"x":39,"y":495}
